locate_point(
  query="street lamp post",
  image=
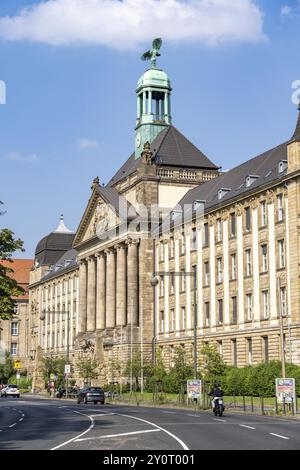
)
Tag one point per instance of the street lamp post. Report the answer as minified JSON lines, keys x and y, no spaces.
{"x":61,"y":312}
{"x":281,"y":332}
{"x":154,"y":283}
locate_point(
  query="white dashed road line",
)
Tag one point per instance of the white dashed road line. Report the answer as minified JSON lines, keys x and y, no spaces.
{"x":169,"y":412}
{"x":194,"y":416}
{"x":221,"y":420}
{"x":278,"y":435}
{"x":245,"y":426}
{"x":12,"y":425}
{"x":118,"y":435}
{"x":79,"y":435}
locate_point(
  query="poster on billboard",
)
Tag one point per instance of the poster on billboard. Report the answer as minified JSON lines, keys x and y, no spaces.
{"x":193,"y":389}
{"x":285,"y":391}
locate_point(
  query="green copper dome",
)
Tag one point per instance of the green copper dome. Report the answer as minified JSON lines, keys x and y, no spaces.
{"x":154,"y":78}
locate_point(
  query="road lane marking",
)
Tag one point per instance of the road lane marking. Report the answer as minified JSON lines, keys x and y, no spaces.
{"x":183,"y":445}
{"x":244,"y":426}
{"x":278,"y":435}
{"x":118,"y":435}
{"x":79,"y":435}
{"x":169,"y":412}
{"x":12,"y":425}
{"x":196,"y":416}
{"x":221,"y":420}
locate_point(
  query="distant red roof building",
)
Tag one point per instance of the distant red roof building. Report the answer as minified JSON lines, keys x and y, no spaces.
{"x":21,"y":268}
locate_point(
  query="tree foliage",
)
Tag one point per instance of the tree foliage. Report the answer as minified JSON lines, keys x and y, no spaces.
{"x":6,"y":369}
{"x":9,"y":288}
{"x":212,"y":365}
{"x":56,"y":366}
{"x":88,"y":369}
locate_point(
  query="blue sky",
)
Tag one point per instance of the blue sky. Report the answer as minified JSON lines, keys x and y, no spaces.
{"x":70,"y":106}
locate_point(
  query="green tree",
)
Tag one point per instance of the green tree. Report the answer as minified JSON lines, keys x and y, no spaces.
{"x":181,"y":371}
{"x":133,"y":368}
{"x":7,"y":369}
{"x":88,"y":369}
{"x":212,"y":365}
{"x":54,"y":365}
{"x":9,"y":288}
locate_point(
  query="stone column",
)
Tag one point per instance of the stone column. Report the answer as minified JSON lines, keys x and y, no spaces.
{"x":82,"y":297}
{"x":100,"y":312}
{"x":91,"y":295}
{"x":121,"y":286}
{"x":110,"y":288}
{"x":132,"y":282}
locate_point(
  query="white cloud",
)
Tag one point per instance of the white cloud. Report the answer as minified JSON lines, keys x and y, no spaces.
{"x":126,"y":24}
{"x":286,"y":11}
{"x":20,"y":157}
{"x":85,"y":143}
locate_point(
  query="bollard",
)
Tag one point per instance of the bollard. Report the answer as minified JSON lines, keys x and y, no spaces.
{"x":276,"y":406}
{"x":252,"y":405}
{"x":244,"y":403}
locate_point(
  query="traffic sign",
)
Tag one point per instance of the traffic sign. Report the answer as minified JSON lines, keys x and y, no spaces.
{"x":17,"y":364}
{"x":18,"y":375}
{"x":67,"y":369}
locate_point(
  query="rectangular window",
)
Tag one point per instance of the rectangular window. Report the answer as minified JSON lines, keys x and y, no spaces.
{"x":248,"y":263}
{"x":281,"y":253}
{"x":234,"y":352}
{"x":206,"y":273}
{"x":248,"y":219}
{"x":183,"y":319}
{"x":220,"y":270}
{"x":265,"y":344}
{"x":263,"y":213}
{"x":219,"y":230}
{"x":234,"y":310}
{"x":249,"y":349}
{"x":264,"y":254}
{"x":280,"y":209}
{"x":171,"y":247}
{"x":194,"y":239}
{"x":172,"y":283}
{"x":13,"y":349}
{"x":74,"y":308}
{"x":162,"y":249}
{"x":220,"y":310}
{"x":220,"y":347}
{"x":14,"y":328}
{"x":233,"y":267}
{"x":206,"y":235}
{"x":249,"y":306}
{"x":266,"y":305}
{"x":207,"y":314}
{"x":283,"y":305}
{"x":233,"y":224}
{"x":162,"y":286}
{"x":162,"y":321}
{"x":182,"y":243}
{"x":172,"y":320}
{"x":182,"y":280}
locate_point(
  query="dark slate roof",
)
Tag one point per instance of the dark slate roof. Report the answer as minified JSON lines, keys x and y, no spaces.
{"x":52,"y":247}
{"x":265,"y":166}
{"x":123,"y":207}
{"x":66,"y":262}
{"x":170,"y":148}
{"x":296,"y":135}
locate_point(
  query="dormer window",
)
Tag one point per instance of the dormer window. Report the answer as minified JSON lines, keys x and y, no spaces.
{"x":175,"y":214}
{"x":197,"y":204}
{"x":67,"y":262}
{"x":222,"y":192}
{"x":282,"y":165}
{"x":250,"y":180}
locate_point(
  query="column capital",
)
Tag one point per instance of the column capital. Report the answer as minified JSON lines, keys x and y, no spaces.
{"x":132,"y":241}
{"x":109,"y":250}
{"x":82,"y":261}
{"x":100,"y":254}
{"x":120,"y":247}
{"x":91,"y":258}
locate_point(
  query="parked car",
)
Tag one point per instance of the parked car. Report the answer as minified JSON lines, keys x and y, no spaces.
{"x":88,"y":394}
{"x":10,"y":390}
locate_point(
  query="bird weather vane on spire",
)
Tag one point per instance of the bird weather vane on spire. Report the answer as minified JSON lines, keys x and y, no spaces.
{"x":153,"y":53}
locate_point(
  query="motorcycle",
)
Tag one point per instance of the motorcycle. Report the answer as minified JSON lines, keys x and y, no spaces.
{"x":218,"y":406}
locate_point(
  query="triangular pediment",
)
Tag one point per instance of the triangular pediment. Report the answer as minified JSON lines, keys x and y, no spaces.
{"x":98,"y":217}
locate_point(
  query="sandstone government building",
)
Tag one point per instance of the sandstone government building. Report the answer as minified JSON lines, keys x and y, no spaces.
{"x":236,"y":267}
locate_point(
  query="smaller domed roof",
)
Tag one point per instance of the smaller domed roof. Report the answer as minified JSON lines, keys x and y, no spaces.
{"x":154,"y":78}
{"x":51,"y":247}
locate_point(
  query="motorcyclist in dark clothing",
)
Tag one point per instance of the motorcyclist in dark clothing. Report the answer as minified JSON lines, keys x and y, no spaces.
{"x":216,"y":392}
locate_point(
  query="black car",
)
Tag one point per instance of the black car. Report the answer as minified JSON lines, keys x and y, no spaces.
{"x":94,"y":394}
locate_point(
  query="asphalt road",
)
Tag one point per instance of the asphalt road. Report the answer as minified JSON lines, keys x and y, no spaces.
{"x":35,"y":423}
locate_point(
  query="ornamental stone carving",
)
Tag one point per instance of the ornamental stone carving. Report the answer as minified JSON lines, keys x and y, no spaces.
{"x":224,"y":215}
{"x":212,"y":220}
{"x":270,"y":197}
{"x":239,"y":210}
{"x":253,"y":203}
